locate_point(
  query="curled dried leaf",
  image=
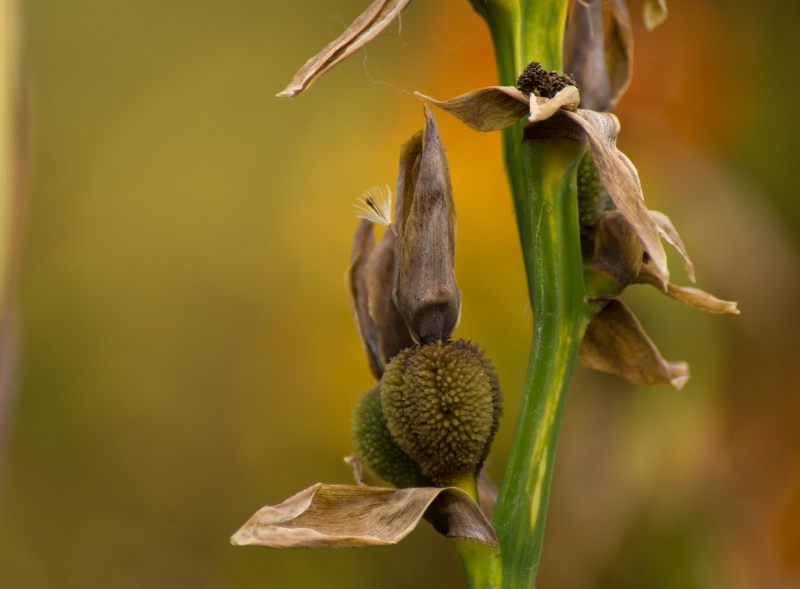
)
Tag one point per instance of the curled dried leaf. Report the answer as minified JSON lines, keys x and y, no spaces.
{"x":364,"y":29}
{"x":616,"y":343}
{"x":617,"y":250}
{"x":671,"y":236}
{"x":393,"y":334}
{"x":691,"y":297}
{"x":487,"y":109}
{"x":621,"y":180}
{"x":369,"y":281}
{"x":598,"y":52}
{"x":701,"y":300}
{"x":543,"y":108}
{"x":655,"y":13}
{"x":356,"y":282}
{"x":343,"y":516}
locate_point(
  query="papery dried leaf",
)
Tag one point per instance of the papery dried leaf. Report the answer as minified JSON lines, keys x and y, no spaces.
{"x":393,"y":334}
{"x":425,"y":288}
{"x":617,"y":250}
{"x":699,"y":299}
{"x":487,"y":109}
{"x":369,"y":281}
{"x":364,"y":29}
{"x":408,"y":170}
{"x":599,"y":55}
{"x":616,"y":343}
{"x":621,"y":181}
{"x":655,"y":13}
{"x":343,"y":516}
{"x":543,"y":108}
{"x":691,"y":297}
{"x":356,"y":282}
{"x":671,"y":236}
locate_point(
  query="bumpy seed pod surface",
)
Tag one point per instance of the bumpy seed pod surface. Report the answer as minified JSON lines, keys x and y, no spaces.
{"x":376,"y":447}
{"x":442,"y":404}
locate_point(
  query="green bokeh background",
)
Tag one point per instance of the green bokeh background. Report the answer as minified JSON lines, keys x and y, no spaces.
{"x":187,"y":352}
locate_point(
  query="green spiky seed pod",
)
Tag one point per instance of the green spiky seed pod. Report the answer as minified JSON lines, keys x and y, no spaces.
{"x":593,"y":200}
{"x":376,"y":447}
{"x":442,"y":403}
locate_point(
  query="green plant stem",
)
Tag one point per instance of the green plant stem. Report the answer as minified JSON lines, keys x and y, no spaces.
{"x":480,"y":563}
{"x":561,"y":314}
{"x":541,"y":174}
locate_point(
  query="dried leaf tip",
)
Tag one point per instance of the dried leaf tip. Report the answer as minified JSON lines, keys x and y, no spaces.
{"x":364,"y":29}
{"x":375,"y":205}
{"x":655,"y":13}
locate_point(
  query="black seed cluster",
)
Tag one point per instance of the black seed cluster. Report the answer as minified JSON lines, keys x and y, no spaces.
{"x":538,"y":81}
{"x":442,"y":403}
{"x":377,"y":448}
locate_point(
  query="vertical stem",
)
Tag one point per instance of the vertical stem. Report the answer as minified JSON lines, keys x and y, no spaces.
{"x":541,"y":173}
{"x":551,"y":237}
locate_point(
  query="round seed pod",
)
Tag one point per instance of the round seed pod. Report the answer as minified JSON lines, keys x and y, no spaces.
{"x":442,"y":403}
{"x":376,"y":447}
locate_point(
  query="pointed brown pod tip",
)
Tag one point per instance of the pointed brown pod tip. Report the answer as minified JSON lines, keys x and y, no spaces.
{"x":425,"y":288}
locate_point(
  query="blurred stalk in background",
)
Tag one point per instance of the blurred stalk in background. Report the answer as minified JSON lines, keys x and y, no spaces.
{"x":12,"y":177}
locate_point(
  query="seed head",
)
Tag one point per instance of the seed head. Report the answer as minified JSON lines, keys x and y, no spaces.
{"x":538,"y":81}
{"x":376,"y":447}
{"x":442,"y":403}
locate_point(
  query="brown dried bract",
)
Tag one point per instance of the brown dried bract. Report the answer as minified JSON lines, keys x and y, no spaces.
{"x":616,"y":343}
{"x":425,"y":288}
{"x":369,"y":281}
{"x":621,"y":180}
{"x":343,"y":516}
{"x":598,"y":52}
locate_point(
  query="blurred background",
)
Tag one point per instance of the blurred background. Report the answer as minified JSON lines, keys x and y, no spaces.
{"x":184,"y":347}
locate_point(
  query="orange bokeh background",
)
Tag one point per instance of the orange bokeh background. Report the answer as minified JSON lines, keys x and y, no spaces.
{"x":187,"y":352}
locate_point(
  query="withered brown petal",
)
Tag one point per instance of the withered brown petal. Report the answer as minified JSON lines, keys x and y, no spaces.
{"x":542,"y":108}
{"x":343,"y":516}
{"x":486,"y":109}
{"x":357,"y":287}
{"x":425,"y":288}
{"x":364,"y":29}
{"x":617,"y":250}
{"x":392,"y":331}
{"x":655,"y":13}
{"x":671,"y":236}
{"x":621,"y":181}
{"x":600,"y":58}
{"x":616,"y":343}
{"x":691,"y":297}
